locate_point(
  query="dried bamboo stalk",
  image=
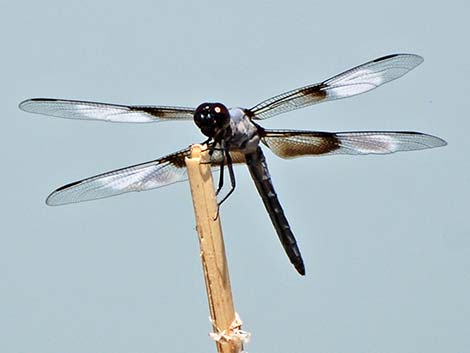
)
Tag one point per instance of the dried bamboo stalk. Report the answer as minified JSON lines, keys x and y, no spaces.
{"x":212,"y":253}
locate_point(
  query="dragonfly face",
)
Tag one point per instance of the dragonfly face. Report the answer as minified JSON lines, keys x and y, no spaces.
{"x":212,"y":118}
{"x":234,"y":138}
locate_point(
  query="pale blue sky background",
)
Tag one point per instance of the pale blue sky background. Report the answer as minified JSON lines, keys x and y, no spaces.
{"x":386,"y":239}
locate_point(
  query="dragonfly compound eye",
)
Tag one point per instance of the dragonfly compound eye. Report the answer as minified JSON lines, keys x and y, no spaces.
{"x":210,"y":117}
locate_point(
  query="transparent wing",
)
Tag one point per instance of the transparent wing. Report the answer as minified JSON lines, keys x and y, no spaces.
{"x":145,"y":176}
{"x":72,"y":109}
{"x":161,"y":172}
{"x":291,"y":144}
{"x":355,"y":81}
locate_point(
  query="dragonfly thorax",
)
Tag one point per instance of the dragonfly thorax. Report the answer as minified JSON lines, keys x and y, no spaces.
{"x":211,"y":118}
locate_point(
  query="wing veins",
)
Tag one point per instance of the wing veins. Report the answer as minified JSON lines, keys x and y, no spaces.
{"x":357,"y":80}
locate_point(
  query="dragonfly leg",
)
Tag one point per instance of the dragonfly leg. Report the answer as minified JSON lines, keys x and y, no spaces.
{"x":231,"y":174}
{"x":222,"y":165}
{"x":221,"y":176}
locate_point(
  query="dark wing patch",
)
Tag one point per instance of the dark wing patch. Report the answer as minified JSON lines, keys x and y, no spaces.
{"x":217,"y":157}
{"x":291,"y":143}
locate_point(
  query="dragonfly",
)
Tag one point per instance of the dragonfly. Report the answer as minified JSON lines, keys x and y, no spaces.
{"x":233,"y":136}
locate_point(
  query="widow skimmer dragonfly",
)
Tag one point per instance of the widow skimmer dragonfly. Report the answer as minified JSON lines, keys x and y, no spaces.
{"x":234,"y":136}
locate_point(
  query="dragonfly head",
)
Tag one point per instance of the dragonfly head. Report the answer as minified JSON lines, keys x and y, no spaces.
{"x":211,"y":118}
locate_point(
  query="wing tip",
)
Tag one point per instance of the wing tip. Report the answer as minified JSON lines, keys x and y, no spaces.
{"x":411,"y":60}
{"x":23,"y":104}
{"x":436,"y":141}
{"x":52,"y":199}
{"x":414,"y":59}
{"x":50,"y":203}
{"x":427,"y":141}
{"x":29,"y":105}
{"x":417,"y":58}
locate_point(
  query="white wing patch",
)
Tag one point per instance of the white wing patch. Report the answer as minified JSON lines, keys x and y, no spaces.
{"x":370,"y":75}
{"x":355,"y":84}
{"x":372,"y":143}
